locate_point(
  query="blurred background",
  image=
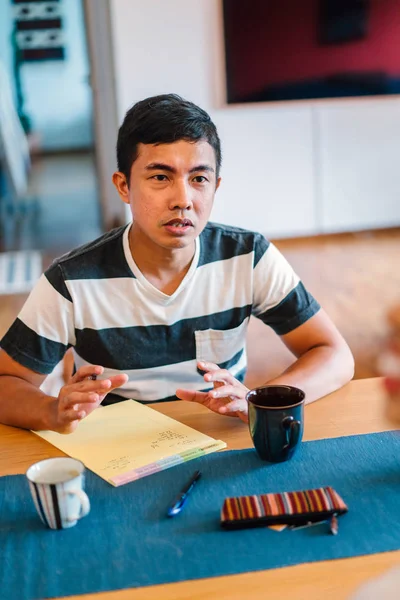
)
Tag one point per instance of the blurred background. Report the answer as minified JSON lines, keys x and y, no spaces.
{"x":305,"y":97}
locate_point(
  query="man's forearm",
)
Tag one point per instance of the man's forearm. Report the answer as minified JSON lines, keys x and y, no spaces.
{"x":319,"y":371}
{"x":24,"y":405}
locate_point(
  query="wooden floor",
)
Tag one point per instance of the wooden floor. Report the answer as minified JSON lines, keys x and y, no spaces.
{"x":355,"y":277}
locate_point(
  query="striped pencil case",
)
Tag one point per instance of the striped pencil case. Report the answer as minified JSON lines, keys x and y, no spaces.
{"x":294,"y":509}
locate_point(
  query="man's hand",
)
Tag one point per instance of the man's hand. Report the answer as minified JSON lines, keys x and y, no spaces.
{"x":81,"y":395}
{"x":228,"y":396}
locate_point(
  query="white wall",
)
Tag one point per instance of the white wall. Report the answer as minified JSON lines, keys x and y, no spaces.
{"x":359,"y":164}
{"x":57,"y":93}
{"x":285,"y":165}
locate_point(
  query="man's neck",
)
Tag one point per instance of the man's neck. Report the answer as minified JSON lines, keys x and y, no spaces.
{"x":164,"y":268}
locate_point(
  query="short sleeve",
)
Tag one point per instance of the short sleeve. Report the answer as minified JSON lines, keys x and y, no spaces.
{"x":44,"y":329}
{"x":280,"y":299}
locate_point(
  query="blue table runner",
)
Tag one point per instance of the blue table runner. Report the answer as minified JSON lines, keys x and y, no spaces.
{"x":128,"y":541}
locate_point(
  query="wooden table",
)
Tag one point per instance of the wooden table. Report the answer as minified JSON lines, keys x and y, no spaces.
{"x":357,"y":408}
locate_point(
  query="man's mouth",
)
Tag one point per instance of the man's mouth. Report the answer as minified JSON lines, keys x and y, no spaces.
{"x":179,"y":223}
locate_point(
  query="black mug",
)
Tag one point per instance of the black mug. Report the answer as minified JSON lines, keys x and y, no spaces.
{"x":276,"y":416}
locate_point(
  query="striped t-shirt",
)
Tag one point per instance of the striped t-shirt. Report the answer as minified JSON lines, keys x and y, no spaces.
{"x":96,"y":300}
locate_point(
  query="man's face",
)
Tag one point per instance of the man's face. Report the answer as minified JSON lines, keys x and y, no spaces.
{"x":171,"y":191}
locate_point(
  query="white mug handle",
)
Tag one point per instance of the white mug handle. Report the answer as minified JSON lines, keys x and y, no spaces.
{"x":85,"y":504}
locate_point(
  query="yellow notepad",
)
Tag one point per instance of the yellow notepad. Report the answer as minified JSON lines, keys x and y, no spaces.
{"x":126,"y":441}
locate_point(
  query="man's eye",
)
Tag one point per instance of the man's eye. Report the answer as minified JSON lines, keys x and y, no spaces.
{"x":199,"y":179}
{"x":160,"y":177}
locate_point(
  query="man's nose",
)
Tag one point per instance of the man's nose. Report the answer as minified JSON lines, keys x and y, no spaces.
{"x":181,"y":197}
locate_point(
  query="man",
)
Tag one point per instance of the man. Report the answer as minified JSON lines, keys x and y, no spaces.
{"x":159,"y":309}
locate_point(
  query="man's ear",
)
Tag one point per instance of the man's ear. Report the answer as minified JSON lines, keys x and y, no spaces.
{"x":218,"y":183}
{"x":121,"y":185}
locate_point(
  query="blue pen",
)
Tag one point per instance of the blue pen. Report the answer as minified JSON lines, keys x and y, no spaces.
{"x":179,"y":503}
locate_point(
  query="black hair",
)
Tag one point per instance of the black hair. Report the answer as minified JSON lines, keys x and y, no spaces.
{"x":163,"y":120}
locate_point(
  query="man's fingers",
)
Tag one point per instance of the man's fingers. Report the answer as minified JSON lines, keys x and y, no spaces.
{"x":234,"y":406}
{"x":90,"y":392}
{"x":215,"y":404}
{"x":207,"y":366}
{"x":78,"y":406}
{"x":82,"y":395}
{"x":101,"y":387}
{"x":227,"y":391}
{"x":85,"y":372}
{"x":69,"y":416}
{"x":218,"y":376}
{"x":117,"y":380}
{"x":237,"y":408}
{"x":191,"y":395}
{"x":76,"y":398}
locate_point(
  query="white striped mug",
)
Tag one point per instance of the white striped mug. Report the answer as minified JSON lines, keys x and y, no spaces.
{"x":56,"y":487}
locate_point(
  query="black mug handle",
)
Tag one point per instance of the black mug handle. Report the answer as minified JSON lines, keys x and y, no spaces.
{"x":292,"y":429}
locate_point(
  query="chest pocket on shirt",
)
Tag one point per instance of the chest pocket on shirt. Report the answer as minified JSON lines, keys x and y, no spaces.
{"x":220,"y":346}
